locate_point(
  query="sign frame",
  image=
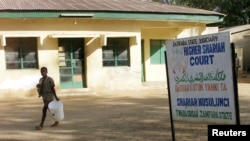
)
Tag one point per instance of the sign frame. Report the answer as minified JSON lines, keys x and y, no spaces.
{"x":202,"y":90}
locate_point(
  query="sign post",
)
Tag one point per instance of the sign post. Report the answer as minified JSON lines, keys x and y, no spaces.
{"x":170,"y":107}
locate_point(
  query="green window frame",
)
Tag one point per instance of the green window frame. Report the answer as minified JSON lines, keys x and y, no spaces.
{"x":21,"y":53}
{"x":116,"y":52}
{"x":157,"y":49}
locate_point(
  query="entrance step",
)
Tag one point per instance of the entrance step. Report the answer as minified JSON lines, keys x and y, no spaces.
{"x":75,"y":91}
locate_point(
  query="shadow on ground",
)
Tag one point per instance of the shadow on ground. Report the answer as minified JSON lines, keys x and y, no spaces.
{"x":121,"y":116}
{"x":89,"y":118}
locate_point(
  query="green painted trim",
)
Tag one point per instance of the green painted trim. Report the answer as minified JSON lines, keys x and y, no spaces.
{"x":117,"y":15}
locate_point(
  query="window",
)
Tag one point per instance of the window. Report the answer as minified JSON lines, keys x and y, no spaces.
{"x":157,"y":49}
{"x":20,"y":53}
{"x":116,"y":53}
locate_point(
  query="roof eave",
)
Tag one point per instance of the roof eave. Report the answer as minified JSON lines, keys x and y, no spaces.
{"x":203,"y":18}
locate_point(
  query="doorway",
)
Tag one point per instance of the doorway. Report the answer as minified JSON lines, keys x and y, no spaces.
{"x":72,"y":63}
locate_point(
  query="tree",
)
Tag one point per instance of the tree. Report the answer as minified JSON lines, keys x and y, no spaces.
{"x":237,"y":11}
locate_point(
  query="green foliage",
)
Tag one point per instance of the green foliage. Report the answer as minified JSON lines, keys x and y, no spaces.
{"x":237,"y":11}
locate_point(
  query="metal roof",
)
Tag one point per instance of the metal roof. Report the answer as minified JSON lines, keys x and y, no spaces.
{"x":133,"y":9}
{"x":98,"y":5}
{"x":236,"y":29}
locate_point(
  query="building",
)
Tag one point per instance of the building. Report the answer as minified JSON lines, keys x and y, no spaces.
{"x":91,"y":45}
{"x":240,"y":36}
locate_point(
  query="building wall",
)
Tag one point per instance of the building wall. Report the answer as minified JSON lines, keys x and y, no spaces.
{"x":242,"y":49}
{"x":158,"y":72}
{"x":95,"y":33}
{"x":99,"y":77}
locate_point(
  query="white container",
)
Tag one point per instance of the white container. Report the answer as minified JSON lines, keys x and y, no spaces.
{"x":56,"y":110}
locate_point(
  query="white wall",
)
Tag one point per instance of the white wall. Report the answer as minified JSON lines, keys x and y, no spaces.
{"x":95,"y":32}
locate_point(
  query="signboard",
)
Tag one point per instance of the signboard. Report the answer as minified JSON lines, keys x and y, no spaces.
{"x":200,"y":77}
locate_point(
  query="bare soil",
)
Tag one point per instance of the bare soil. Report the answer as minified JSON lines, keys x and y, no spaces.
{"x":131,"y":115}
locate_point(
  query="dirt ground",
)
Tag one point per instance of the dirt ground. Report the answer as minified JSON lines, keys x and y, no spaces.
{"x":134,"y":115}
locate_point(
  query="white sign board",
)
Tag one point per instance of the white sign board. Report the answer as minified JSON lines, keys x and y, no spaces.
{"x":200,"y":78}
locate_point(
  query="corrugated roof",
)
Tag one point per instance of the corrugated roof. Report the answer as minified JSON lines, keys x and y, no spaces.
{"x":236,"y":29}
{"x":139,"y":6}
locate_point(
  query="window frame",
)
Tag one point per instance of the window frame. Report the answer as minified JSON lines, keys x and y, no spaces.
{"x":21,"y":53}
{"x":157,"y":52}
{"x":116,"y":52}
